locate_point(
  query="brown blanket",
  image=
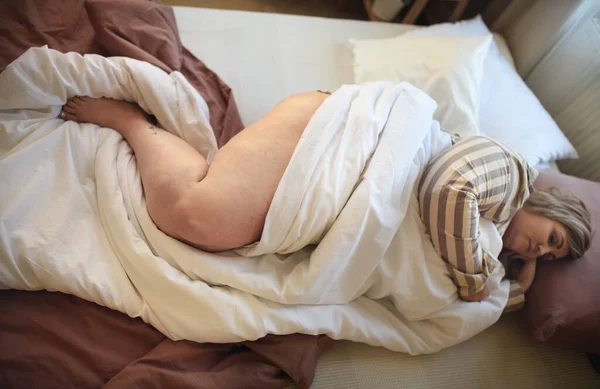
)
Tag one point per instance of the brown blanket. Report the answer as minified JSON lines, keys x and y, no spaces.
{"x":52,"y":340}
{"x":140,"y":29}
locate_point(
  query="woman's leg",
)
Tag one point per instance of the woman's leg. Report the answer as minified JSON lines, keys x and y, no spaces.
{"x":168,"y":165}
{"x":216,"y":208}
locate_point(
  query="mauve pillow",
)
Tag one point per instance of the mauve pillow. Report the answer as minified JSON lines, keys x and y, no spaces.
{"x":563,"y":304}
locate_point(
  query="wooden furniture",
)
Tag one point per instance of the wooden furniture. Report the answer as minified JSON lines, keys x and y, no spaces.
{"x":417,"y":7}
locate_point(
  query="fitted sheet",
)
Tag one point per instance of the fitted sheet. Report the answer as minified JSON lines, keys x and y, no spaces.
{"x":267,"y":57}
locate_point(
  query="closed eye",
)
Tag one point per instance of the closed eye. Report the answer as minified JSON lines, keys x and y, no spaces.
{"x":553,"y":240}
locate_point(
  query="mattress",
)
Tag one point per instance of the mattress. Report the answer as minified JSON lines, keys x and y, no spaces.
{"x":503,"y":356}
{"x":267,"y":57}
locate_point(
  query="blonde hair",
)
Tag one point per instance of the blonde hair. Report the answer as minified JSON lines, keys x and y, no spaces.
{"x":568,"y":210}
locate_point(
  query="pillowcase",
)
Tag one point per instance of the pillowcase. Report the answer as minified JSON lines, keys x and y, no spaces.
{"x":508,"y":111}
{"x":563,"y":305}
{"x":449,"y":69}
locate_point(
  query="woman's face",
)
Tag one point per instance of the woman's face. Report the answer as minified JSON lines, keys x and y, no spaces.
{"x":532,"y":236}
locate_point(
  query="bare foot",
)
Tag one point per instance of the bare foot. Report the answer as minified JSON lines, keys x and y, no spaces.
{"x":104,"y":112}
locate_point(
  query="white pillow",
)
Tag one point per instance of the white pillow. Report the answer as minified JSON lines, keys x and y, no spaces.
{"x":449,"y":69}
{"x":509,"y":111}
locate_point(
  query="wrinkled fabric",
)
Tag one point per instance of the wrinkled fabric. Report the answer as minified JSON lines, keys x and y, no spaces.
{"x":139,"y":29}
{"x":343,"y":251}
{"x":51,"y":331}
{"x":53,"y":340}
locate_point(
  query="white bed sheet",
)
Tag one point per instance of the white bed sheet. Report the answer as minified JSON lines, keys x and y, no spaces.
{"x":266,"y":57}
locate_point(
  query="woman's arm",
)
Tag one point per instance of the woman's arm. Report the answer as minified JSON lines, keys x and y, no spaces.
{"x":451,"y":215}
{"x":473,"y":172}
{"x":513,"y":264}
{"x":526,"y":275}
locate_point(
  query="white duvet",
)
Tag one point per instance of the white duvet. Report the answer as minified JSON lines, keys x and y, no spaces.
{"x":343,"y":252}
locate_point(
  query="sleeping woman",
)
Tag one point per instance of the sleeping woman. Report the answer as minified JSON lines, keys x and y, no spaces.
{"x":224,"y":205}
{"x":480,"y":178}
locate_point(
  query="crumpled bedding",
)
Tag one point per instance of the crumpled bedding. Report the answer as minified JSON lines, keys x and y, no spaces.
{"x":343,"y":253}
{"x":51,"y":340}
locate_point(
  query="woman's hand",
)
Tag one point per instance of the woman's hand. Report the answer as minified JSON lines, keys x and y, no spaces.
{"x":480,"y":296}
{"x":526,"y":275}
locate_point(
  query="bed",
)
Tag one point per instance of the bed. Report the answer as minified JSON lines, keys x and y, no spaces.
{"x":282,"y":55}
